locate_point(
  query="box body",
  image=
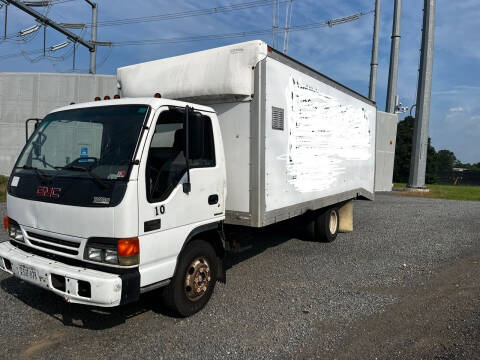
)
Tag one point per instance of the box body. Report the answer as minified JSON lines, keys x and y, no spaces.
{"x":294,"y":139}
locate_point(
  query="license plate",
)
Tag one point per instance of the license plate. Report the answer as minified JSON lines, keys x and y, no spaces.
{"x":26,"y":272}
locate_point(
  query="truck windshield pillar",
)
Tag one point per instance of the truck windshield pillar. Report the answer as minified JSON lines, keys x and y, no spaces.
{"x":187,"y":186}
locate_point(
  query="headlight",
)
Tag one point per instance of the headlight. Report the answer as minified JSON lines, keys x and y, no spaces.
{"x":102,"y":255}
{"x":14,"y":230}
{"x":124,"y":252}
{"x":111,"y":256}
{"x":94,"y":254}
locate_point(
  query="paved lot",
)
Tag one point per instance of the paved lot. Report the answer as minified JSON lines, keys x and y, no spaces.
{"x":403,"y":285}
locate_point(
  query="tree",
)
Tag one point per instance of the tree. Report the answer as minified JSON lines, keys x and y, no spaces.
{"x":432,"y":164}
{"x":445,"y":160}
{"x":403,"y":153}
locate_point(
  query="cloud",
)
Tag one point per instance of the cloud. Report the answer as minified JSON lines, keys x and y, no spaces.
{"x":455,"y":122}
{"x":456,"y":109}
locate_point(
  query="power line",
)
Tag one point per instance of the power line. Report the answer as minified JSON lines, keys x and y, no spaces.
{"x":21,"y":53}
{"x":55,"y":2}
{"x":328,"y":23}
{"x":170,"y":16}
{"x":47,"y":22}
{"x":184,"y":14}
{"x":316,"y":25}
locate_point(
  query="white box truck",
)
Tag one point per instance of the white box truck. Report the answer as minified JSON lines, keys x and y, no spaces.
{"x":110,"y":199}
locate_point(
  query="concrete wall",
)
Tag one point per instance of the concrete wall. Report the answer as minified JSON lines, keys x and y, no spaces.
{"x":27,"y":95}
{"x":385,"y":150}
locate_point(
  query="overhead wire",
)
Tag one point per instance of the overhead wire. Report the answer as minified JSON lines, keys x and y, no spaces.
{"x":17,"y":38}
{"x":184,"y":14}
{"x":55,"y":2}
{"x":178,"y":15}
{"x":327,"y":23}
{"x":162,"y":17}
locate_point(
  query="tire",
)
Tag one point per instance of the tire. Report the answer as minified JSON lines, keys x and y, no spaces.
{"x":323,"y":226}
{"x":194,"y":279}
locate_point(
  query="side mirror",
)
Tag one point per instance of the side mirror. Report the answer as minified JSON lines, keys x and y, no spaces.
{"x":37,"y":122}
{"x":187,"y":187}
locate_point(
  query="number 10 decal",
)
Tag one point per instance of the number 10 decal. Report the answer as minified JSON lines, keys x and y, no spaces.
{"x":159,"y":210}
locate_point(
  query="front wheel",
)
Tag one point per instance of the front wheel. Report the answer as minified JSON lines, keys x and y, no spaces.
{"x":194,"y":280}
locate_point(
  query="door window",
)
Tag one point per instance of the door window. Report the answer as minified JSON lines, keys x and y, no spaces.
{"x":166,"y":164}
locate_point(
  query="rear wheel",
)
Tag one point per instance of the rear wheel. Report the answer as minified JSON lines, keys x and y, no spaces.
{"x":323,"y":226}
{"x":194,"y":280}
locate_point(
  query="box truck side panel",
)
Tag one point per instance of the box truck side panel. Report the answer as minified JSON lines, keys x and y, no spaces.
{"x":234,"y":120}
{"x":319,"y":140}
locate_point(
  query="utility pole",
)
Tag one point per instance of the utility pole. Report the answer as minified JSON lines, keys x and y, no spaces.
{"x":418,"y":162}
{"x":274,"y":11}
{"x":393,"y":71}
{"x":93,"y":37}
{"x":372,"y":89}
{"x":6,"y":19}
{"x":288,"y":20}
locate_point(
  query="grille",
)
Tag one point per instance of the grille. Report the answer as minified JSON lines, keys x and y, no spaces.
{"x":48,"y":242}
{"x":277,"y":118}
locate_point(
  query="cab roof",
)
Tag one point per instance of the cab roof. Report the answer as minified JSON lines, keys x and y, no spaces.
{"x":154,"y":103}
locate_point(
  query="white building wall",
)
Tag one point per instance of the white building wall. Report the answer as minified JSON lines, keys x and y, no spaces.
{"x":33,"y":95}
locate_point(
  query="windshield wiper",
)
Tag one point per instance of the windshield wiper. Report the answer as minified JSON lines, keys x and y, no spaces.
{"x":89,"y":171}
{"x":43,"y":178}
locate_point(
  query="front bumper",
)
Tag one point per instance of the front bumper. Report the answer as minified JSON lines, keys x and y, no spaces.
{"x":75,"y":284}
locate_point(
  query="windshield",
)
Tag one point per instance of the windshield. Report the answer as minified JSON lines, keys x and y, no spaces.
{"x":96,"y":142}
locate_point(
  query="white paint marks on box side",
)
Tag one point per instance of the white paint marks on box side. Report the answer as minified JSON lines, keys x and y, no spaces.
{"x":323,"y":134}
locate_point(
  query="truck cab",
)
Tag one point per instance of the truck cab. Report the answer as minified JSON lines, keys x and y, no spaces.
{"x":106,"y":195}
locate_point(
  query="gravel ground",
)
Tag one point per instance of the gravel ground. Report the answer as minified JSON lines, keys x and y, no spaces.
{"x":404,"y":284}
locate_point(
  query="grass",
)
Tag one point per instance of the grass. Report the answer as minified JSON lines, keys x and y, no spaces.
{"x":449,"y":192}
{"x":3,"y":187}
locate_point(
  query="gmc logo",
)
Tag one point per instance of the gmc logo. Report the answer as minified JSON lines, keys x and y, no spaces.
{"x":48,"y":192}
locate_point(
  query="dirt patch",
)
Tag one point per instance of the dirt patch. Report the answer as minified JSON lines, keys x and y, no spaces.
{"x":439,"y":319}
{"x":41,"y":345}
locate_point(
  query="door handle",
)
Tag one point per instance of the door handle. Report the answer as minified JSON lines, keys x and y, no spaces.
{"x":213,"y":199}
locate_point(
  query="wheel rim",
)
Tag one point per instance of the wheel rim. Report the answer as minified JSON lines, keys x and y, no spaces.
{"x":197,"y":279}
{"x":333,"y":223}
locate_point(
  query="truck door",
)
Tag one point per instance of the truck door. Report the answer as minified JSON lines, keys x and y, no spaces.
{"x":172,"y":200}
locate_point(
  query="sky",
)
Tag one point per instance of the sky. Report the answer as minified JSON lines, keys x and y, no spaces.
{"x":341,"y":52}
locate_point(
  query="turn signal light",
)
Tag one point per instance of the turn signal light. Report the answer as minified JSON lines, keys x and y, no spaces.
{"x":128,"y":251}
{"x":157,"y":95}
{"x":128,"y":247}
{"x":5,"y":222}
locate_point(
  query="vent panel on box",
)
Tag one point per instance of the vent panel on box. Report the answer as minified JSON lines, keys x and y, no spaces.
{"x":277,"y":118}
